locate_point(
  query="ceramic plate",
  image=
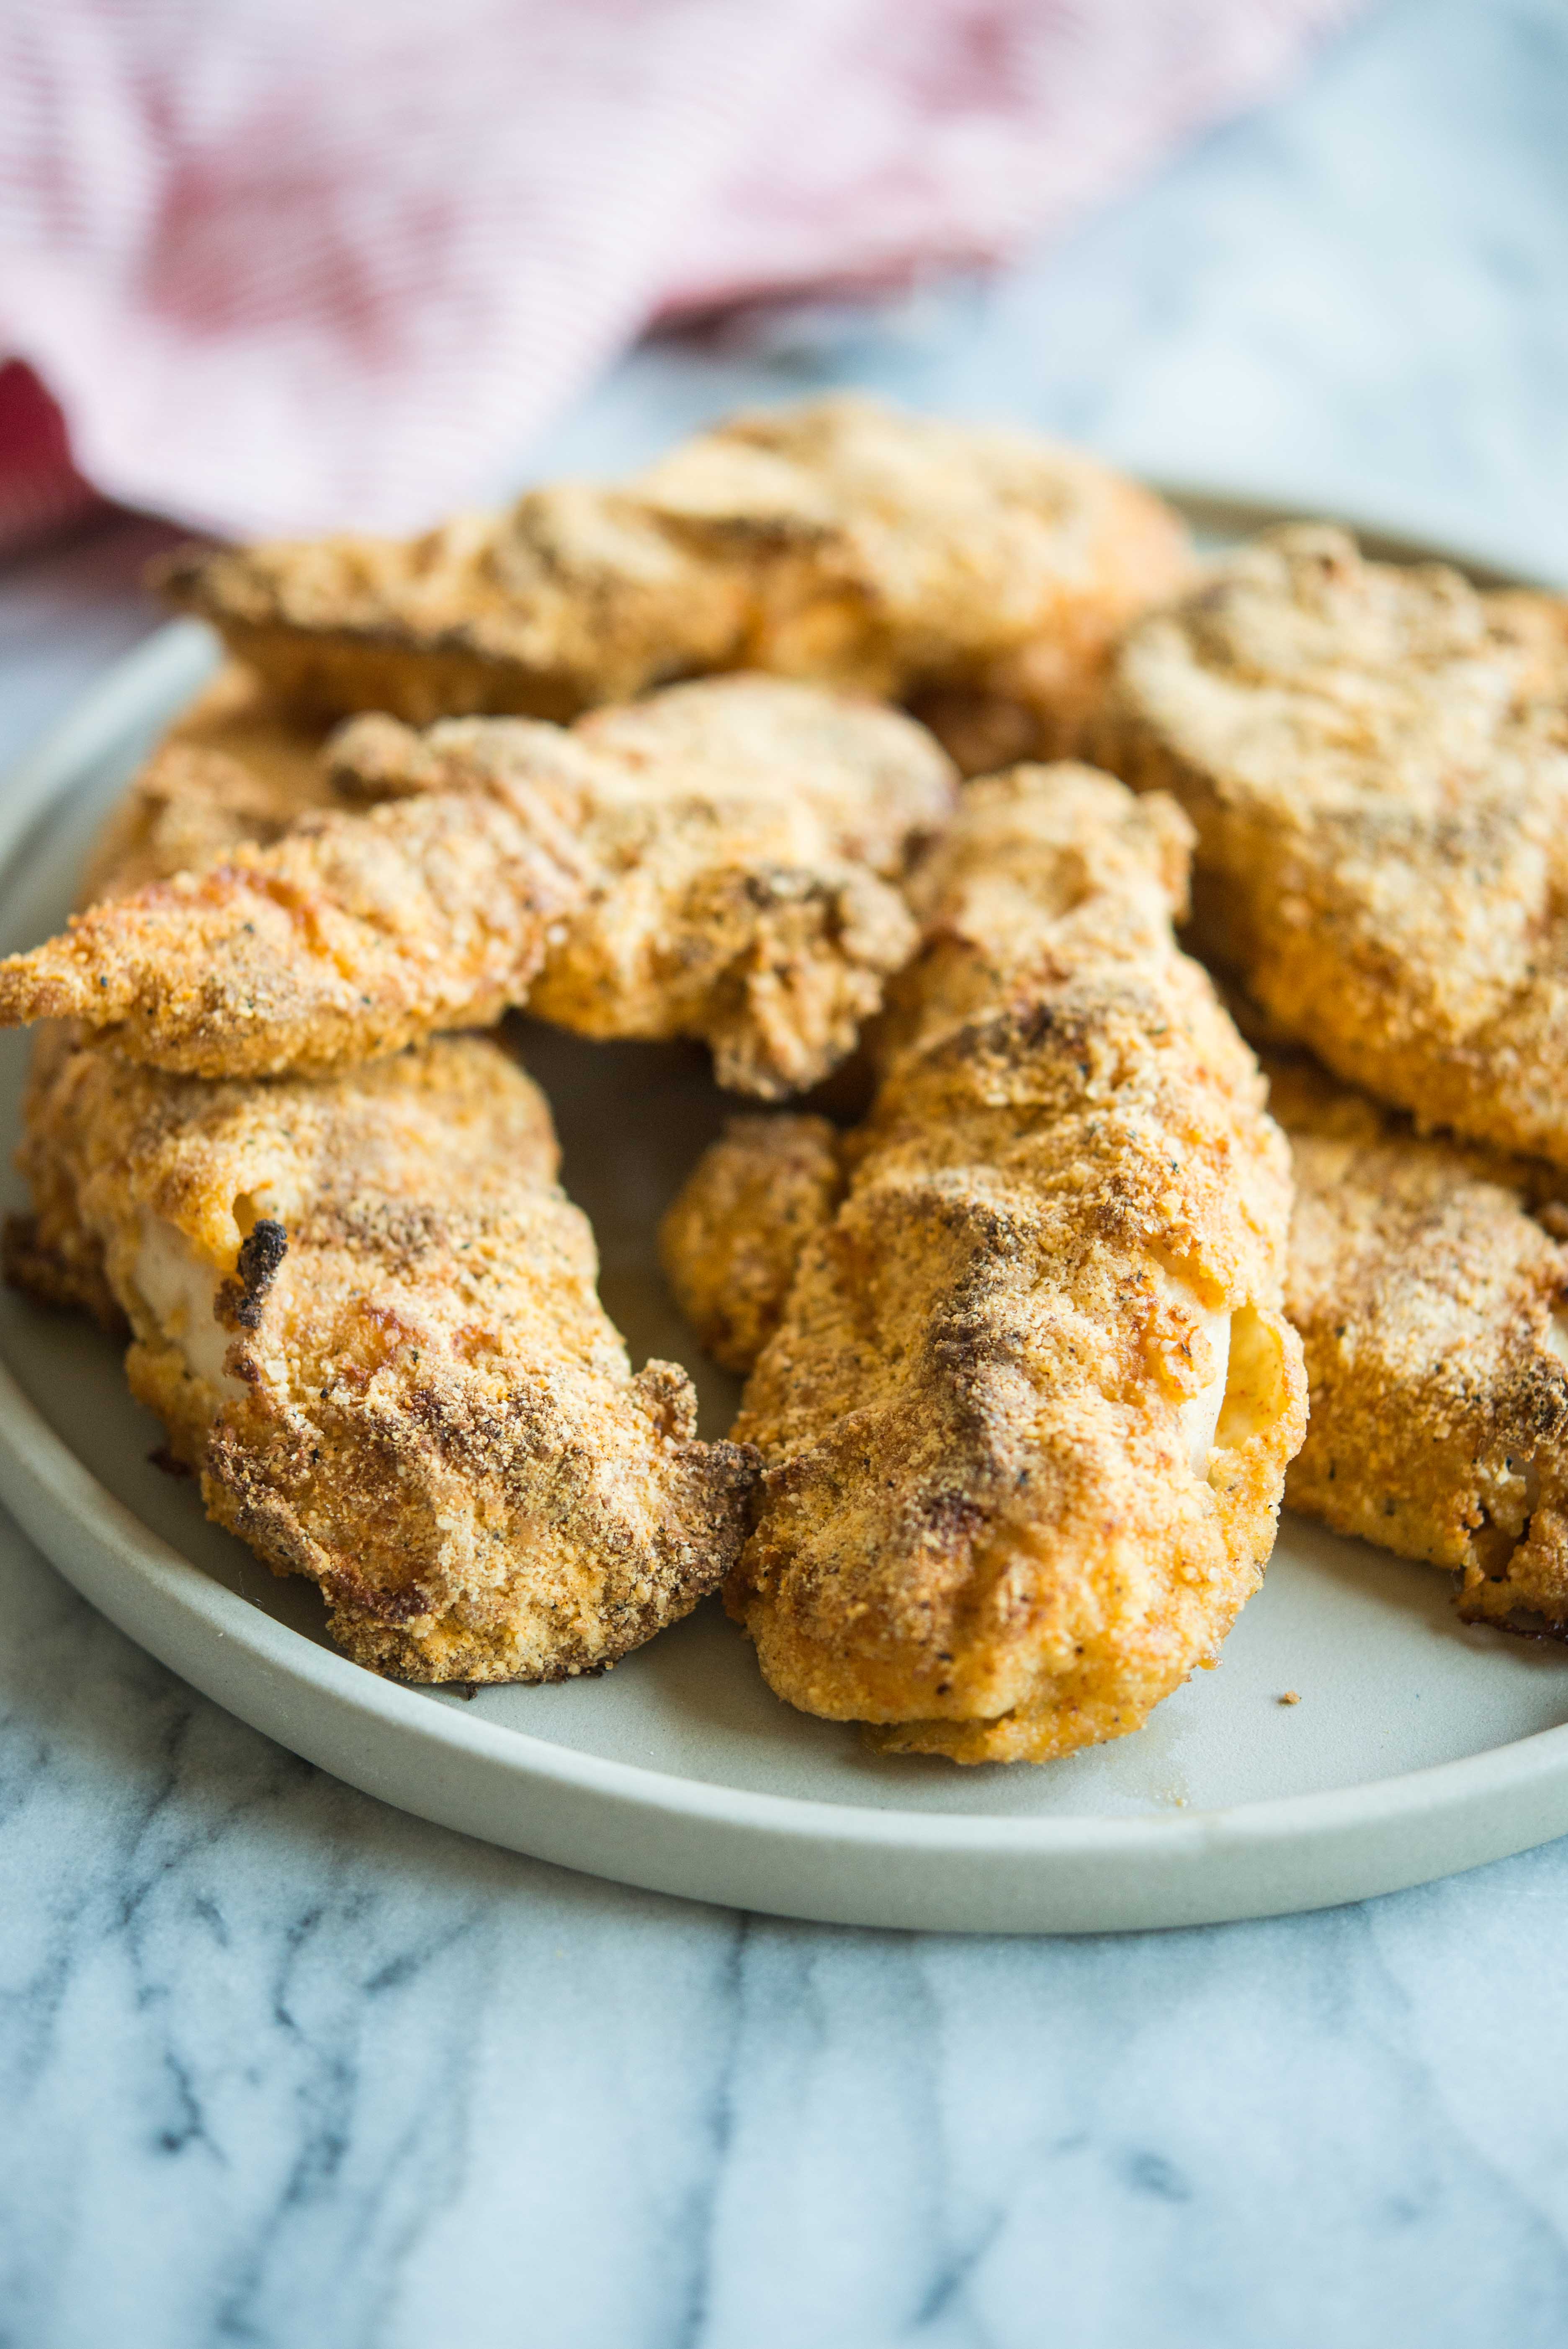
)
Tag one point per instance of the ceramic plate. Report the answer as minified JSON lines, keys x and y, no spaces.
{"x":1417,"y":1746}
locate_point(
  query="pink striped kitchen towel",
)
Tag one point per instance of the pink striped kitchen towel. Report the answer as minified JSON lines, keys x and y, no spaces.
{"x":293,"y":266}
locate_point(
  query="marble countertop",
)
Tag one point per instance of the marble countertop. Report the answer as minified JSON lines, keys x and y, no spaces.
{"x":281,"y":2066}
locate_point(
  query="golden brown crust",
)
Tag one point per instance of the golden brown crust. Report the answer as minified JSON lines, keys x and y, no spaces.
{"x":837,"y":539}
{"x":412,"y":1172}
{"x":230,"y":771}
{"x":419,"y":1403}
{"x":575,"y":595}
{"x":233,"y":769}
{"x":1041,"y":699}
{"x":711,"y":862}
{"x":732,"y":1238}
{"x":1427,"y":1293}
{"x":1377,"y":763}
{"x":351,"y":936}
{"x":1535,"y":626}
{"x":744,"y":836}
{"x":981,"y":1525}
{"x":1429,"y":1298}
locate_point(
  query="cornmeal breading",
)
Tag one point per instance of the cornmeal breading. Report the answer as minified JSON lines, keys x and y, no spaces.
{"x":706,"y":864}
{"x":1027,"y":1415}
{"x":367,"y":1314}
{"x":351,"y":936}
{"x":426,"y":1169}
{"x":1431,"y":1305}
{"x":1377,"y":763}
{"x":899,"y":555}
{"x":732,"y":1240}
{"x":233,"y":769}
{"x":1426,"y":1280}
{"x":228,"y":772}
{"x":1534,"y":625}
{"x":744,"y":836}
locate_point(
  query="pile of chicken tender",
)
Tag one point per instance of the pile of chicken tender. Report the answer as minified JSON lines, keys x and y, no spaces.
{"x":1179,"y":950}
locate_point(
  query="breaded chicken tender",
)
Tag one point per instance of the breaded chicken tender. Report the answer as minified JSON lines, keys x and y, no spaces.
{"x":233,"y":769}
{"x":1377,"y":763}
{"x":1026,"y":1414}
{"x":732,"y":1238}
{"x":744,"y":836}
{"x":1431,"y":1303}
{"x":230,"y":772}
{"x":1428,"y":1281}
{"x":351,"y":936}
{"x":980,"y":572}
{"x":704,"y":864}
{"x":365,"y":1313}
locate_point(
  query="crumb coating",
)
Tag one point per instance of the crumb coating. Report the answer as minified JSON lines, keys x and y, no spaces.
{"x":1426,"y":1280}
{"x":231,"y":769}
{"x":982,"y":1527}
{"x":421,"y":1405}
{"x":980,"y":572}
{"x":1376,"y":760}
{"x":350,"y":937}
{"x":732,"y":1238}
{"x":743,"y":839}
{"x":720,"y":862}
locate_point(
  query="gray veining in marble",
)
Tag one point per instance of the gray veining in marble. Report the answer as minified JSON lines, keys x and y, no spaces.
{"x":279,"y":2066}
